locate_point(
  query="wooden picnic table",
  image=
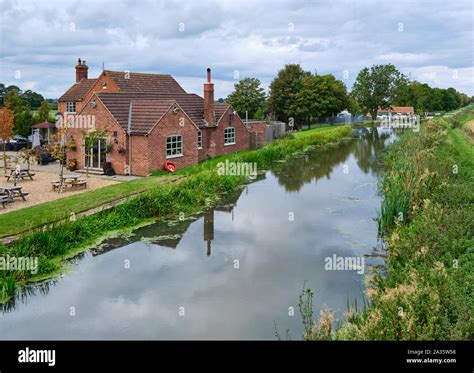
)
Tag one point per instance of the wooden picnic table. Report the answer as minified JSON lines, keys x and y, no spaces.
{"x":19,"y":174}
{"x":8,"y":193}
{"x":72,"y":180}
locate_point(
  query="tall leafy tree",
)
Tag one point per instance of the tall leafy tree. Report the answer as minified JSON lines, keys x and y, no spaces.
{"x":32,"y":99}
{"x":319,"y":97}
{"x":376,"y":87}
{"x":43,"y":112}
{"x":248,"y":96}
{"x":282,"y":101}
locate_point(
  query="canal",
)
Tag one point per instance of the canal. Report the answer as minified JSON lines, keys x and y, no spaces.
{"x":231,"y":273}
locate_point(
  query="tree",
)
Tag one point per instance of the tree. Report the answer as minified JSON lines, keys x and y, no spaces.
{"x":7,"y":118}
{"x":23,"y":122}
{"x":32,"y":99}
{"x":319,"y":97}
{"x":248,"y":96}
{"x":376,"y":88}
{"x":43,"y":112}
{"x":283,"y":91}
{"x":13,"y":101}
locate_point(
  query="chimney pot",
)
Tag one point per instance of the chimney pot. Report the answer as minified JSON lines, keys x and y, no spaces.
{"x":208,"y":75}
{"x":81,"y":70}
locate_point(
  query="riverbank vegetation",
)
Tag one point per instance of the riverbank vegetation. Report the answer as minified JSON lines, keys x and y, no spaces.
{"x":200,"y":188}
{"x":425,"y":291}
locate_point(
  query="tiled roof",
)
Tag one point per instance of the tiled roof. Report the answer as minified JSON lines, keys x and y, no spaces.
{"x":127,"y":82}
{"x":119,"y":104}
{"x":220,"y":110}
{"x":146,"y":113}
{"x":78,"y":90}
{"x":145,"y":83}
{"x":398,"y":109}
{"x":403,"y":109}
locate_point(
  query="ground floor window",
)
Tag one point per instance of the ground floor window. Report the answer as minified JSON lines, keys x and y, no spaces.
{"x":95,"y":152}
{"x":229,"y":136}
{"x":199,"y":139}
{"x":174,"y":146}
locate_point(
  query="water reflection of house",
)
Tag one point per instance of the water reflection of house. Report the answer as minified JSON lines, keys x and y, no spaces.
{"x":228,"y":207}
{"x":170,"y":234}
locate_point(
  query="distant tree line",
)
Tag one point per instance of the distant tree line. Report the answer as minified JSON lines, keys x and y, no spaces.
{"x":306,"y":97}
{"x":28,"y":107}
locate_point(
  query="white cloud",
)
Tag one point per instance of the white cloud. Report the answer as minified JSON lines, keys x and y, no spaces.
{"x":249,"y":36}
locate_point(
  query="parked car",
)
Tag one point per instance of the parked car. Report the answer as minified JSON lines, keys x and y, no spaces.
{"x":17,"y":143}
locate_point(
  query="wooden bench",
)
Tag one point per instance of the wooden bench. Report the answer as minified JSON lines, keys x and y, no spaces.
{"x":56,"y":185}
{"x":4,"y":200}
{"x":21,"y":175}
{"x":79,"y":183}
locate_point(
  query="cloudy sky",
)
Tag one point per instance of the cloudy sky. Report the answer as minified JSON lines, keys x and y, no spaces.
{"x":40,"y":41}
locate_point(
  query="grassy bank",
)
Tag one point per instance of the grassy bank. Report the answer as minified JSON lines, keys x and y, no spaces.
{"x":23,"y":220}
{"x":202,"y":188}
{"x":426,"y":290}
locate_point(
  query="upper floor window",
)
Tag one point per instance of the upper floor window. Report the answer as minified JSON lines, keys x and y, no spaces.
{"x":200,"y":139}
{"x":229,"y":136}
{"x":174,"y":146}
{"x":71,"y":107}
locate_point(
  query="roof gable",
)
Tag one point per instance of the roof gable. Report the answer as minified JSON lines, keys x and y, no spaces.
{"x":78,"y":90}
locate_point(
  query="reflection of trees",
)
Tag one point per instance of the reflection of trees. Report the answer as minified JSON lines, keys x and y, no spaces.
{"x":314,"y":165}
{"x":24,"y":292}
{"x":368,"y":148}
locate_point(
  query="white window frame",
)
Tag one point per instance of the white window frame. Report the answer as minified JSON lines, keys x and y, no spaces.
{"x":199,"y":139}
{"x":70,"y":103}
{"x":229,"y":139}
{"x":176,"y":155}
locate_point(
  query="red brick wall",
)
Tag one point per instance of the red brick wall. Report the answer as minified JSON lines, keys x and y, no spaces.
{"x":257,"y":133}
{"x":140,"y":155}
{"x":103,"y":122}
{"x":97,"y":87}
{"x":170,"y":125}
{"x":213,"y":139}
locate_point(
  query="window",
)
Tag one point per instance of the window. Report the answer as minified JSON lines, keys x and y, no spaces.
{"x":71,"y":107}
{"x":174,"y":146}
{"x":200,"y":139}
{"x":229,"y":136}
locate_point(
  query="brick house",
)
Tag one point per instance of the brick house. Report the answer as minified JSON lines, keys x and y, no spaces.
{"x":147,"y":119}
{"x":396,"y":110}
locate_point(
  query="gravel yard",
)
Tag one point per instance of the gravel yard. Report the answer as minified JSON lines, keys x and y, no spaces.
{"x":40,"y":189}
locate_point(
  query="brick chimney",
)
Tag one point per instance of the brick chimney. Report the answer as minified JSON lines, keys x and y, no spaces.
{"x":81,"y":70}
{"x":209,"y":115}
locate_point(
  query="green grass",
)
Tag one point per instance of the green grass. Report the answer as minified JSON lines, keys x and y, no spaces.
{"x":22,"y":220}
{"x":311,"y":131}
{"x":426,"y":289}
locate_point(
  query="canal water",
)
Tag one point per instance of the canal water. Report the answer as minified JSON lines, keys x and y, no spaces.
{"x":235,"y":272}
